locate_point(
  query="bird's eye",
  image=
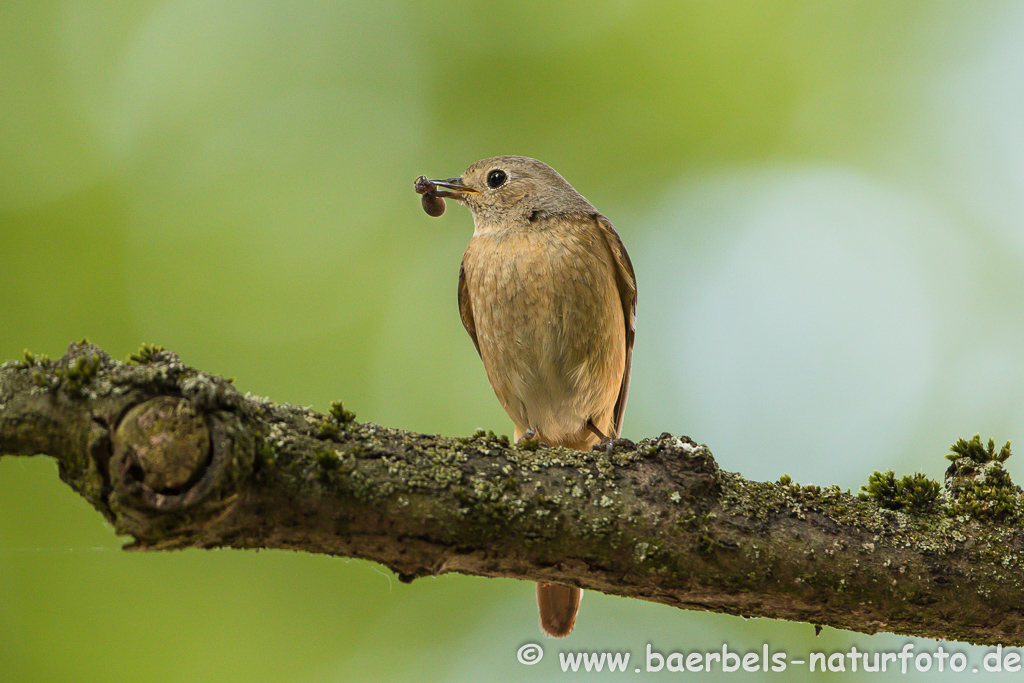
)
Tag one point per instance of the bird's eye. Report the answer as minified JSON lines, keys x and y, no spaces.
{"x":496,"y":178}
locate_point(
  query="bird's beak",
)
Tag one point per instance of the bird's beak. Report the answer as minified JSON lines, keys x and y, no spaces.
{"x":455,"y":185}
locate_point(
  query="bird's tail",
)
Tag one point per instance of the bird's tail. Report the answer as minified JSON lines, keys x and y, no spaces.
{"x":558,"y":607}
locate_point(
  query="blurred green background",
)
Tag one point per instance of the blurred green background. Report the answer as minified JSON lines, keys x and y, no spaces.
{"x":822,"y":201}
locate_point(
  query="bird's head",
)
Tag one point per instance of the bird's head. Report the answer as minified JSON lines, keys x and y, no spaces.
{"x":510,"y":191}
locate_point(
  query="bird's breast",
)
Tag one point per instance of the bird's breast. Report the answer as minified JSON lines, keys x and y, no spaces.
{"x":549,"y":323}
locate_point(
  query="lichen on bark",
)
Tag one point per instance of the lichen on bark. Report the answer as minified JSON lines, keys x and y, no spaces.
{"x":175,"y":457}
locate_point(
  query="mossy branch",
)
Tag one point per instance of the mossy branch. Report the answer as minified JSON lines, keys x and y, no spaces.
{"x":178,"y":458}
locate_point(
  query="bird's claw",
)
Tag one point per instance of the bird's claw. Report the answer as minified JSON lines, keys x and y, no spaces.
{"x":609,"y":445}
{"x":530,"y":442}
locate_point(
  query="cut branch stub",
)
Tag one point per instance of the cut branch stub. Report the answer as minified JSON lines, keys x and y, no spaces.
{"x":160,"y":447}
{"x":168,"y":457}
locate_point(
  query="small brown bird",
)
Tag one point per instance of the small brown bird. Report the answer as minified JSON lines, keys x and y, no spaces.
{"x":548,"y":296}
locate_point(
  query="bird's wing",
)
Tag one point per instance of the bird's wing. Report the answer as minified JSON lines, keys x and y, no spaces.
{"x":466,"y":308}
{"x":625,"y":279}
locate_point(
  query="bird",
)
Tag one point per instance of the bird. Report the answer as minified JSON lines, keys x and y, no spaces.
{"x":548,"y":296}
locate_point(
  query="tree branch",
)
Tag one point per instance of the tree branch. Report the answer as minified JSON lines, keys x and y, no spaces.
{"x":179,"y":458}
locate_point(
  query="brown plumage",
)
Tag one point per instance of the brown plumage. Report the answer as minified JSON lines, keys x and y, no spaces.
{"x":548,"y":296}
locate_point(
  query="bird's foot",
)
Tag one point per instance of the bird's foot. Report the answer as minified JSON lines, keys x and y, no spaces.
{"x":530,"y":442}
{"x":606,"y":443}
{"x":610,"y":445}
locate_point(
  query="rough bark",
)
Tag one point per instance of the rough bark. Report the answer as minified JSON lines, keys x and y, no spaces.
{"x":178,"y":458}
